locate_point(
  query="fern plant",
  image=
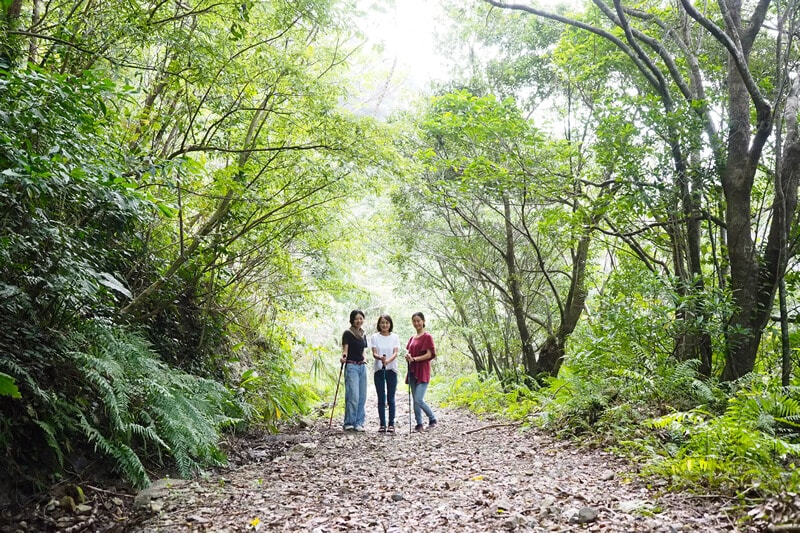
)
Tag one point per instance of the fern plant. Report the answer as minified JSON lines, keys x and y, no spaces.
{"x":754,"y":442}
{"x":137,"y":408}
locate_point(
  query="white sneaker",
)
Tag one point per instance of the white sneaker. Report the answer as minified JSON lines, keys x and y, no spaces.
{"x":360,"y":429}
{"x":349,"y":428}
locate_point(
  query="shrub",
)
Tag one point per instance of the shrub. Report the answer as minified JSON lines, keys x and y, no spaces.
{"x":111,"y":391}
{"x":755,"y":442}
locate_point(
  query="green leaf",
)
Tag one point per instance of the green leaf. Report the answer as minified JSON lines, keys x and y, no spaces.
{"x":8,"y":387}
{"x":109,"y":281}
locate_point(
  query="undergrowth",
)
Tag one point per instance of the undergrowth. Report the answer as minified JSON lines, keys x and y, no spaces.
{"x":753,"y":444}
{"x":484,"y":394}
{"x":134,"y":406}
{"x":744,"y":438}
{"x":109,"y":392}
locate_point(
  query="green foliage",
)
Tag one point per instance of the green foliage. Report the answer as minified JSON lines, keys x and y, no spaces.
{"x":573,"y":405}
{"x":754,"y":443}
{"x":116,"y":395}
{"x":484,"y":394}
{"x":66,"y":215}
{"x":66,"y":212}
{"x":8,"y":387}
{"x":502,"y":53}
{"x":269,"y":386}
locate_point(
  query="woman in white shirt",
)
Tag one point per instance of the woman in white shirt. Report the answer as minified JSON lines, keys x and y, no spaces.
{"x":385,"y":347}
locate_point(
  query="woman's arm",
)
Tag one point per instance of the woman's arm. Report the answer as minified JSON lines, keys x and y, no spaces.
{"x":428,"y":353}
{"x":376,"y":354}
{"x":424,"y":356}
{"x":392,"y":357}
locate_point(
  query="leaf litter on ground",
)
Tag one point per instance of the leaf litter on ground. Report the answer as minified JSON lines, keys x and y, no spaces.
{"x":465,"y":475}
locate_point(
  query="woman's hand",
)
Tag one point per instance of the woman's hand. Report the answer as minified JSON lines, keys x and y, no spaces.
{"x":343,"y":360}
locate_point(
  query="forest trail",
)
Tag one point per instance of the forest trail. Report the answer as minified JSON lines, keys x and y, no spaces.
{"x":464,"y":475}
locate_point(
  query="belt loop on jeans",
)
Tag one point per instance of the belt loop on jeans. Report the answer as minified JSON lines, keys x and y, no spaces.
{"x":356,"y":362}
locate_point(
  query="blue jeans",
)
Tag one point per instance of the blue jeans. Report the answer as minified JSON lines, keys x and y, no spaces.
{"x":386,"y":390}
{"x":418,"y":392}
{"x":355,"y":394}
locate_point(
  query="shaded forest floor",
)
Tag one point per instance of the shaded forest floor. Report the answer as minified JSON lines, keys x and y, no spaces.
{"x":465,"y":475}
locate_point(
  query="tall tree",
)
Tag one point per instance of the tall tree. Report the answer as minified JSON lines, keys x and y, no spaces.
{"x":501,"y":191}
{"x":665,"y":49}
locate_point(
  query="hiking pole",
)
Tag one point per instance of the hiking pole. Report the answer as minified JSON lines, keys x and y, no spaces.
{"x":335,"y":394}
{"x":386,"y":385}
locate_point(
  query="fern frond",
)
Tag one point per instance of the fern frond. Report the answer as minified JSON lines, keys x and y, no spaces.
{"x":51,"y":439}
{"x":126,"y":459}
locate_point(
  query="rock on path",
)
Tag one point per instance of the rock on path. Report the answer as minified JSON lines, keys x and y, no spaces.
{"x":461,"y":476}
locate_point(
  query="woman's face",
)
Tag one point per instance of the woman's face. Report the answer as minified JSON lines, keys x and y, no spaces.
{"x":418,"y":323}
{"x":358,"y":321}
{"x":383,"y":325}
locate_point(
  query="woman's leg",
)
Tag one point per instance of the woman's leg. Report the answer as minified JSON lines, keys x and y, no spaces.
{"x":350,"y":395}
{"x":362,"y":395}
{"x":420,"y":405}
{"x":415,"y":390}
{"x":391,"y":388}
{"x":381,"y":390}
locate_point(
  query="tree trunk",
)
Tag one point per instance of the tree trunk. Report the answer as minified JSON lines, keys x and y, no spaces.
{"x":10,"y":44}
{"x":551,"y":354}
{"x":786,"y":348}
{"x":517,"y":298}
{"x":753,"y":285}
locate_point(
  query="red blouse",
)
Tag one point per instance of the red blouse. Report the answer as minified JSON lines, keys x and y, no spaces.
{"x":416,"y":346}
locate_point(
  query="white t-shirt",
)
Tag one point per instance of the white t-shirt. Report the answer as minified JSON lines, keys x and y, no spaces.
{"x":385,"y":346}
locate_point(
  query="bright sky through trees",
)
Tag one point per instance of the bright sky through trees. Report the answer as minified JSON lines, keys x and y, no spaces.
{"x":400,"y":56}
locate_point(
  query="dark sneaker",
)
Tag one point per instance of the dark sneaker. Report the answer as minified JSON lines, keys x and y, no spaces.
{"x":390,"y":429}
{"x":419,"y":428}
{"x":432,"y":424}
{"x":382,"y":429}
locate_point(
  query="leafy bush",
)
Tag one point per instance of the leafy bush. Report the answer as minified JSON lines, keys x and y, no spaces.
{"x":485,"y":394}
{"x":755,"y":442}
{"x":115,"y":394}
{"x":268,"y":385}
{"x":573,"y":405}
{"x":621,"y":369}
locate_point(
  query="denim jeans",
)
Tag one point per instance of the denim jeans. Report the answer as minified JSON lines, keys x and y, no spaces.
{"x":355,"y":394}
{"x":386,"y":389}
{"x":418,"y":393}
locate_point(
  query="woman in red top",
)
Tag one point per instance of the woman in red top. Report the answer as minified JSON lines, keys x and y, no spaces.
{"x":420,"y":350}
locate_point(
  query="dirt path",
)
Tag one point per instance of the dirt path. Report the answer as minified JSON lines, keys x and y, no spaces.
{"x":461,"y":476}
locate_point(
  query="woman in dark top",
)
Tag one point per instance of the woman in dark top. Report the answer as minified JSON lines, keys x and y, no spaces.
{"x":420,"y":351}
{"x":354,"y":342}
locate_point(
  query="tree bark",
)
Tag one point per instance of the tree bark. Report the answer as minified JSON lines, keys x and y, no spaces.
{"x":551,"y":354}
{"x":10,"y":44}
{"x":517,"y":298}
